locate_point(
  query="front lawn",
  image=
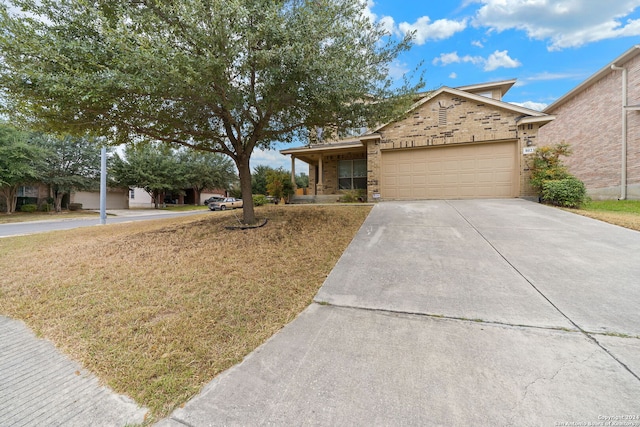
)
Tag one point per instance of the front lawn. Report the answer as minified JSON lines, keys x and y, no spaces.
{"x":157,"y":309}
{"x":625,"y":213}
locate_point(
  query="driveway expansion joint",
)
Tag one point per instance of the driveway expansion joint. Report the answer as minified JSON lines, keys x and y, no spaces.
{"x":445,"y":317}
{"x":584,"y":332}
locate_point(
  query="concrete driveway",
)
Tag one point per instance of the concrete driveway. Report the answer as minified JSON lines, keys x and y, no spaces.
{"x":465,"y":312}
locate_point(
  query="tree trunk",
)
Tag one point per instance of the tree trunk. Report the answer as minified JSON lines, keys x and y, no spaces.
{"x":6,"y":198}
{"x":10,"y":194}
{"x":156,"y":199}
{"x":244,"y":171}
{"x":197,"y":195}
{"x":58,"y":201}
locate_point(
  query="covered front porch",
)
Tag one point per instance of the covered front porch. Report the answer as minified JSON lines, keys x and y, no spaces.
{"x":334,"y":169}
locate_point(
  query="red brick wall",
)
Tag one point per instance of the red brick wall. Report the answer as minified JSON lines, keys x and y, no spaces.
{"x":591,"y":121}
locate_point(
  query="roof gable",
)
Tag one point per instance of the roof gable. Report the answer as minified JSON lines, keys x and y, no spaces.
{"x":471,"y":96}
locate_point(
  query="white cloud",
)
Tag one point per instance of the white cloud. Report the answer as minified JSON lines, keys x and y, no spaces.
{"x":388,"y":24}
{"x":453,"y":58}
{"x":398,"y":70}
{"x":477,"y":43}
{"x":453,"y":76}
{"x":537,"y":106}
{"x":565,"y":23}
{"x":425,"y":30}
{"x":498,"y":59}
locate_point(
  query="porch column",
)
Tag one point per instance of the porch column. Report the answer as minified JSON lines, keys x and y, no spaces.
{"x":293,"y":172}
{"x":320,"y":184}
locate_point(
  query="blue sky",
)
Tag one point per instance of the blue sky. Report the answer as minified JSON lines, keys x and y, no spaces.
{"x":550,"y":46}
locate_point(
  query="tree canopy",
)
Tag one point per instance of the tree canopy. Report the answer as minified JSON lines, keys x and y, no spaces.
{"x":152,"y":167}
{"x":70,"y":163}
{"x":225,"y":76}
{"x":20,"y":164}
{"x":202,"y":171}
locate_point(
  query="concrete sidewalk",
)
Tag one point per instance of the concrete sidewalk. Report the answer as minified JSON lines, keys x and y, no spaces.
{"x":493,"y":312}
{"x":39,"y":386}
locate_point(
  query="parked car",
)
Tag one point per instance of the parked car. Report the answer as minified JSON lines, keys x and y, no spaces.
{"x":213,"y":199}
{"x":227,"y":203}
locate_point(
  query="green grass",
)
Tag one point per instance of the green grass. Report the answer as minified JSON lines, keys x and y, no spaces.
{"x":631,"y":206}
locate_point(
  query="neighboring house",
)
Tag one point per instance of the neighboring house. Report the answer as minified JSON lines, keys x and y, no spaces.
{"x":452,"y":144}
{"x":39,"y":193}
{"x":117,"y":198}
{"x":139,"y":198}
{"x":600,"y":119}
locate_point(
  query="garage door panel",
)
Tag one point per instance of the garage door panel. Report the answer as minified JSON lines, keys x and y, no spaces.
{"x":469,"y":171}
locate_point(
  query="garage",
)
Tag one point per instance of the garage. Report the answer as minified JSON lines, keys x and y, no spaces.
{"x":484,"y":170}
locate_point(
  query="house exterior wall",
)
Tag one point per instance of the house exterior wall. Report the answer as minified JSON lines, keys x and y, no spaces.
{"x":591,"y":122}
{"x":449,"y":119}
{"x":117,"y":198}
{"x":330,"y":171}
{"x":138,"y":198}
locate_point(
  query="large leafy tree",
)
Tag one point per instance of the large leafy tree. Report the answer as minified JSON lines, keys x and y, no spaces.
{"x":225,"y":76}
{"x":70,"y":164}
{"x":206,"y":170}
{"x":20,"y":163}
{"x":152,"y":167}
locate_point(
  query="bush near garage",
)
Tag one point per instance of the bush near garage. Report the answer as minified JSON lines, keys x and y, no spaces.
{"x":568,"y":192}
{"x":551,"y":179}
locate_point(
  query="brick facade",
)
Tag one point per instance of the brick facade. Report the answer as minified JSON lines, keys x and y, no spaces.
{"x":451,"y":119}
{"x":444,"y":117}
{"x":590,"y":120}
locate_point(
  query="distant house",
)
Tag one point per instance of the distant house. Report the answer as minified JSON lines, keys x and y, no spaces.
{"x":600,"y":119}
{"x":139,"y":198}
{"x":454,"y":143}
{"x":117,"y":198}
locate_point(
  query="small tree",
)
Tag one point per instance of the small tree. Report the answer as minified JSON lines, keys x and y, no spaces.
{"x":552,"y":180}
{"x":546,"y":164}
{"x":279,"y":183}
{"x":20,"y":163}
{"x":302,"y":180}
{"x":259,"y":179}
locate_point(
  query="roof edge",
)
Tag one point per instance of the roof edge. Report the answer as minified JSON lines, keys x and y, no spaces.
{"x":626,"y":56}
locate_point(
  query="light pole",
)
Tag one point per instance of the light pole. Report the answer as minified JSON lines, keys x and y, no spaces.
{"x":103,"y":185}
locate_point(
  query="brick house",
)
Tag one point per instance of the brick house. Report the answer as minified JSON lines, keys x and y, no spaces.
{"x":453,"y":143}
{"x":600,"y":119}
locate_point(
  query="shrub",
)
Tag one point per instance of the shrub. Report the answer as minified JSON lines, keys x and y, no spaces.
{"x":351,"y":196}
{"x":279,"y":184}
{"x":75,"y":206}
{"x":28,"y":208}
{"x":568,"y":192}
{"x":259,"y":200}
{"x":546,"y":164}
{"x":46,"y":207}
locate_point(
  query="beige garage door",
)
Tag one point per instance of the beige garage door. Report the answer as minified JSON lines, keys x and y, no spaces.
{"x":455,"y":172}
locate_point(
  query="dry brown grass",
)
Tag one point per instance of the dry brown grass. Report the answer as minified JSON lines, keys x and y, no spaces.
{"x":624,"y":219}
{"x":157,"y":309}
